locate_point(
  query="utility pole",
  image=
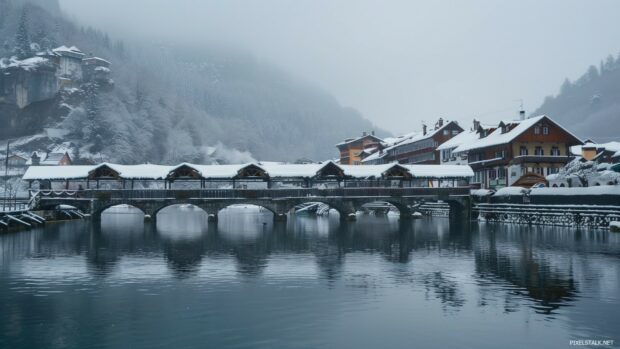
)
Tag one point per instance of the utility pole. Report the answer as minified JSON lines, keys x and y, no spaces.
{"x":6,"y":173}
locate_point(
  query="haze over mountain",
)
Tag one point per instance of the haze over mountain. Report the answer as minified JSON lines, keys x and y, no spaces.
{"x":399,"y":62}
{"x":174,"y":103}
{"x":590,"y":106}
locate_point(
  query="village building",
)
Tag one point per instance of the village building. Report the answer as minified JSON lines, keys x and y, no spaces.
{"x":599,"y":152}
{"x":50,"y":159}
{"x":422,"y":148}
{"x":353,"y":150}
{"x":16,"y":161}
{"x":69,"y":61}
{"x":96,"y":69}
{"x":447,"y":150}
{"x":518,"y":152}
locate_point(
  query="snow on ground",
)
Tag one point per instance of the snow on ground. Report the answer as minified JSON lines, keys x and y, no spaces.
{"x":507,"y":191}
{"x":597,"y":190}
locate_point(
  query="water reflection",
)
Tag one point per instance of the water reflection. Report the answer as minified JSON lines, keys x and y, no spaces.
{"x":470,"y":274}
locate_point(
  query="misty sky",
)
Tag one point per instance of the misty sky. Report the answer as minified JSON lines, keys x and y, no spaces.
{"x":398,"y":62}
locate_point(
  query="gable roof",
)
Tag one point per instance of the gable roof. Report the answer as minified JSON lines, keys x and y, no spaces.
{"x":462,"y":138}
{"x":498,"y":138}
{"x":420,"y":137}
{"x":358,"y":139}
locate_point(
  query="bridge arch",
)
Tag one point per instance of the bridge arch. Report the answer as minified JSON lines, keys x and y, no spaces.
{"x":345,"y":209}
{"x":102,"y":209}
{"x":165,"y":207}
{"x":403,"y":207}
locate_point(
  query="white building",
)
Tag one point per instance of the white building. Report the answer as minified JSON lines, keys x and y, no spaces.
{"x":69,"y":63}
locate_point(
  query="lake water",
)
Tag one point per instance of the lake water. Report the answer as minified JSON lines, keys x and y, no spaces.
{"x":246,"y":282}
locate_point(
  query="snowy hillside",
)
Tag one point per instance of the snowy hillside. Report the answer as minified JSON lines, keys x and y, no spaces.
{"x":590,"y":106}
{"x":166,"y":104}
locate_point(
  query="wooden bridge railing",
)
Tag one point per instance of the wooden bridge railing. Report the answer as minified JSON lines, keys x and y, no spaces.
{"x":159,"y":194}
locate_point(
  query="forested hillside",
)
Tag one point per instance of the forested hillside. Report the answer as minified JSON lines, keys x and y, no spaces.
{"x":170,"y":104}
{"x":590,"y":106}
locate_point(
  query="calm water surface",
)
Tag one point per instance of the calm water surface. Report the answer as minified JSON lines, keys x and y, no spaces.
{"x":308,"y":283}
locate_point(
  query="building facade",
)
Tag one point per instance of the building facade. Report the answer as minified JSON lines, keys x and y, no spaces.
{"x":422,"y":148}
{"x":519,"y":148}
{"x":353,"y":150}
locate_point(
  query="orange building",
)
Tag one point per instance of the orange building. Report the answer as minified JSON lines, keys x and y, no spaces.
{"x":353,"y":150}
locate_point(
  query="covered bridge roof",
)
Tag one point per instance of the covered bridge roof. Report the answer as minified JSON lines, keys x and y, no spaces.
{"x":327,"y":169}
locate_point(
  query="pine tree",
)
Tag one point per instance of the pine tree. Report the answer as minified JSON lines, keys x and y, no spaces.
{"x":22,"y":40}
{"x":92,"y":130}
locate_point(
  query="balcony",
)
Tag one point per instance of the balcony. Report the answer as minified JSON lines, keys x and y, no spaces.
{"x":521,"y":159}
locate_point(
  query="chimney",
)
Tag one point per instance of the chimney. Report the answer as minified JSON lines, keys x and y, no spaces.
{"x":476,"y":125}
{"x":440,"y":122}
{"x":364,"y":134}
{"x":424,"y":129}
{"x":36,"y":161}
{"x":372,"y":132}
{"x":522,"y":114}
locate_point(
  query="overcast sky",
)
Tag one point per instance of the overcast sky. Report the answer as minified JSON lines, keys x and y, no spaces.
{"x":399,"y":62}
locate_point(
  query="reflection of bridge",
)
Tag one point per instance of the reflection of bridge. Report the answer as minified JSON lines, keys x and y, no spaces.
{"x":346,"y":201}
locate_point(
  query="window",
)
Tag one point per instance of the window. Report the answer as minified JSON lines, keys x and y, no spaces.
{"x":545,"y":130}
{"x":536,"y":130}
{"x":539,"y":151}
{"x":492,"y":174}
{"x":501,"y":172}
{"x":455,"y":132}
{"x":553,"y":170}
{"x":499,"y":154}
{"x":555,"y":151}
{"x":523,"y":150}
{"x":446,"y":132}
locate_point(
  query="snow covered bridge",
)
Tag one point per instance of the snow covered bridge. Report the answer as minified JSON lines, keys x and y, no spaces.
{"x":274,"y":186}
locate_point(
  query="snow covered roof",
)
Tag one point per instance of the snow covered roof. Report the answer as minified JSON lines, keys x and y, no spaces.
{"x":292,"y":170}
{"x":609,"y":146}
{"x":498,"y":138}
{"x":390,"y":141}
{"x":440,"y":171}
{"x":69,"y":51}
{"x":416,"y":137}
{"x":366,"y":171}
{"x":57,"y":172}
{"x":25,"y":64}
{"x":274,"y":170}
{"x":352,"y":140}
{"x":374,"y":156}
{"x":464,"y":137}
{"x":52,"y":158}
{"x":97,"y":59}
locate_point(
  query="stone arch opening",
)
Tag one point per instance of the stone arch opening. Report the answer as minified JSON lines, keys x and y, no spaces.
{"x":118,"y":210}
{"x":187,"y":208}
{"x":387,"y":207}
{"x":248,"y":207}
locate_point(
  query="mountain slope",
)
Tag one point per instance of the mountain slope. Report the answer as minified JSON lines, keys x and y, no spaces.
{"x":590,"y":107}
{"x":173,"y":104}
